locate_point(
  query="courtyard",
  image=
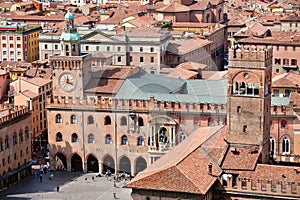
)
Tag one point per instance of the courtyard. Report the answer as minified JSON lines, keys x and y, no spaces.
{"x":71,"y":186}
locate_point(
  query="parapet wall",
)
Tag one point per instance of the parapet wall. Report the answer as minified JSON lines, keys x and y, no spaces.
{"x":251,"y":56}
{"x":11,"y":112}
{"x":125,"y":104}
{"x":258,"y":186}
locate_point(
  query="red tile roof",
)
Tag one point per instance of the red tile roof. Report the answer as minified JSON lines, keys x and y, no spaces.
{"x":174,"y":7}
{"x":240,"y":159}
{"x":185,"y":167}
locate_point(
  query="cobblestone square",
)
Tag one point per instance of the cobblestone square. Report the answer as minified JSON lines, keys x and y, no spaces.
{"x":71,"y":186}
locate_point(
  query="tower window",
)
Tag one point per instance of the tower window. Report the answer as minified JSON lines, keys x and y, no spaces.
{"x":90,"y":119}
{"x":285,"y":145}
{"x":245,"y":128}
{"x":58,"y":137}
{"x":124,"y":140}
{"x":238,"y":109}
{"x":107,"y":120}
{"x":272,"y":145}
{"x":108,"y":139}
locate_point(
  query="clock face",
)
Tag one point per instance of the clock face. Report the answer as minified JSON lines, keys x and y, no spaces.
{"x":67,"y":82}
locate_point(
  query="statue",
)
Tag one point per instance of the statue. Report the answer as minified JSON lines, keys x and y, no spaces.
{"x":162,"y":135}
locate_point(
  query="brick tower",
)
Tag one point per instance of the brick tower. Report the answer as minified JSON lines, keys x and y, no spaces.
{"x":249,"y":98}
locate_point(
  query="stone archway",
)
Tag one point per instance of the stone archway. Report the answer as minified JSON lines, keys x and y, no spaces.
{"x":76,"y":163}
{"x":92,"y":164}
{"x":125,"y":165}
{"x":140,"y":164}
{"x":61,"y":161}
{"x":108,"y":164}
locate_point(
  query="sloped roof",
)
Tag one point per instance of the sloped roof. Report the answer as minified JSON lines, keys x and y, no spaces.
{"x":184,"y":46}
{"x":240,"y":159}
{"x":143,"y":85}
{"x":174,"y":7}
{"x":180,"y":73}
{"x":185,"y":167}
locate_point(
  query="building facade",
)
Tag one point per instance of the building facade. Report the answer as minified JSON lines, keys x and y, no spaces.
{"x":15,"y":144}
{"x":19,"y":42}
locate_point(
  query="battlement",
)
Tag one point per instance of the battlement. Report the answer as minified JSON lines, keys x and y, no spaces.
{"x":73,"y":62}
{"x":11,"y":112}
{"x":259,"y":186}
{"x":251,"y":56}
{"x":108,"y":103}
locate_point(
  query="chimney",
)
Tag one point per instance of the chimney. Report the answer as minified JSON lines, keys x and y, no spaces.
{"x":210,"y":169}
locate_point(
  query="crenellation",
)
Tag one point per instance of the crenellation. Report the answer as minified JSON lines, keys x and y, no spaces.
{"x":132,"y":104}
{"x":245,"y":56}
{"x":267,"y":186}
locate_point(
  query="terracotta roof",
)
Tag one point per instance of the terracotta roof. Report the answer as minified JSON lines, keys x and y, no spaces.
{"x":113,"y":72}
{"x":194,"y":66}
{"x":174,"y":7}
{"x":214,"y":75}
{"x":179,"y":73}
{"x":200,"y":5}
{"x":108,"y":86}
{"x":30,"y":94}
{"x":295,"y":98}
{"x":256,"y":30}
{"x":37,"y":81}
{"x":240,"y":159}
{"x":185,"y":167}
{"x":290,"y":80}
{"x":183,"y":46}
{"x":191,"y":24}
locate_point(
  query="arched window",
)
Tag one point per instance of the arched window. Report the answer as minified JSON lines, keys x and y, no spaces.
{"x":6,"y":142}
{"x":27,"y":150}
{"x":15,"y":138}
{"x":58,"y":137}
{"x":283,"y":124}
{"x":123,"y":121}
{"x":1,"y":145}
{"x":67,"y":47}
{"x":140,"y":121}
{"x":272,"y":145}
{"x":108,"y":139}
{"x":74,"y":137}
{"x":15,"y":156}
{"x":182,"y":137}
{"x":140,"y":141}
{"x":58,"y":118}
{"x":107,"y":120}
{"x":20,"y":136}
{"x":285,"y":145}
{"x":21,"y":153}
{"x":124,"y":140}
{"x":91,"y":138}
{"x":90,"y":119}
{"x":73,"y":119}
{"x":26,"y":133}
{"x":73,"y":47}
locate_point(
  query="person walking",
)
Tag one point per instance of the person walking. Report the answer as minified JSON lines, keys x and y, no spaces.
{"x":41,"y":178}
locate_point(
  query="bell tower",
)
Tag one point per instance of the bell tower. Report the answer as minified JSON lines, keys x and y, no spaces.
{"x":70,"y":39}
{"x":249,"y":98}
{"x":71,"y":69}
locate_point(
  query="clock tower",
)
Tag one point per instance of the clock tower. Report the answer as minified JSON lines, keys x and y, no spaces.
{"x":249,"y":99}
{"x":71,"y":69}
